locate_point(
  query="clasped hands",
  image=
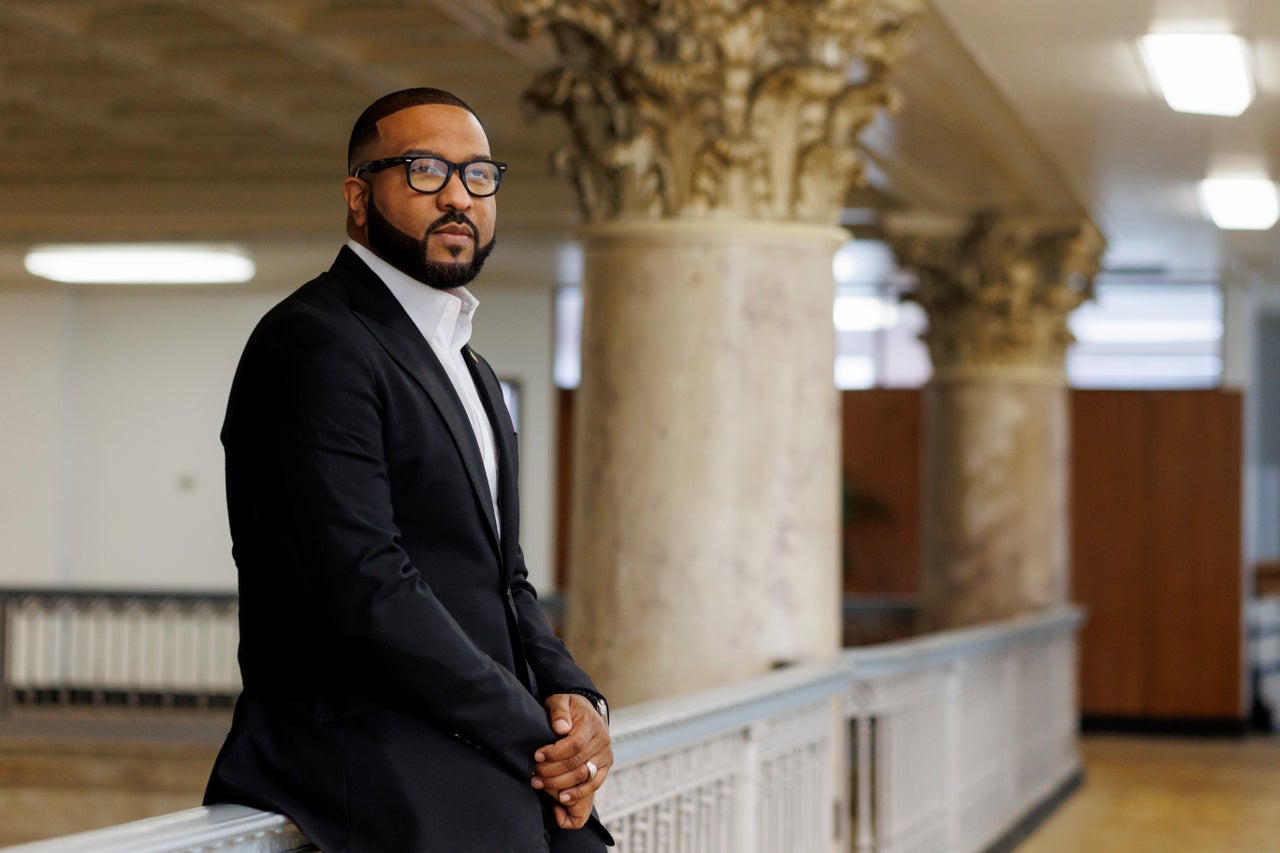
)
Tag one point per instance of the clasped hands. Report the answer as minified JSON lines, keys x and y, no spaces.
{"x":561,"y":769}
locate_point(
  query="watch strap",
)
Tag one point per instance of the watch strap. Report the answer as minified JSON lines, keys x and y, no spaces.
{"x":597,"y":701}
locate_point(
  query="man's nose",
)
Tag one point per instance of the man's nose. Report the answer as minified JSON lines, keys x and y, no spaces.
{"x":453,"y":195}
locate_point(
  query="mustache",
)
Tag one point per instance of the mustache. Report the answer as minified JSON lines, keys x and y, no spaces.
{"x":455,"y":217}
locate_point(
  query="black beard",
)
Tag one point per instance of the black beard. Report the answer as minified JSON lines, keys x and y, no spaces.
{"x":409,"y":254}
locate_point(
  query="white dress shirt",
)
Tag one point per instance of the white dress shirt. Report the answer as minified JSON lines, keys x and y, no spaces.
{"x":444,"y":319}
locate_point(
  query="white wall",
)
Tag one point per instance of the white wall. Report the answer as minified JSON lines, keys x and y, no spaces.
{"x":110,"y":404}
{"x":31,"y":390}
{"x":1249,"y":353}
{"x":1266,"y":417}
{"x":148,"y":388}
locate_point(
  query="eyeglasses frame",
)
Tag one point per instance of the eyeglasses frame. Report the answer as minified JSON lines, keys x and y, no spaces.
{"x":375,"y":166}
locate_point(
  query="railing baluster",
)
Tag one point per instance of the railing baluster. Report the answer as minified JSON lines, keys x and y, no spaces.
{"x":72,"y":646}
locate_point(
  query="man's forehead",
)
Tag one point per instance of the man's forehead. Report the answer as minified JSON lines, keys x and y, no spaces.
{"x":429,"y":126}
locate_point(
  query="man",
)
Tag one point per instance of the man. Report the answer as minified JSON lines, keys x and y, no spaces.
{"x":402,"y":688}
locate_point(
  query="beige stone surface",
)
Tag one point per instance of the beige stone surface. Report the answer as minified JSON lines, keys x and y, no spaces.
{"x":996,"y":507}
{"x":58,"y":786}
{"x":705,"y":518}
{"x":998,"y":293}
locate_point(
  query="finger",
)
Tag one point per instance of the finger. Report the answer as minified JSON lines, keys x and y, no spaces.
{"x":560,"y":775}
{"x":558,"y":710}
{"x":569,"y":778}
{"x":565,"y":749}
{"x":575,"y":815}
{"x":565,"y":820}
{"x":601,"y":754}
{"x":585,"y":791}
{"x":556,"y":761}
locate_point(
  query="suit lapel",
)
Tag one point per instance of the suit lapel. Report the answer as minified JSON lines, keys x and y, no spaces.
{"x":381,"y":313}
{"x":504,"y":436}
{"x":495,"y":407}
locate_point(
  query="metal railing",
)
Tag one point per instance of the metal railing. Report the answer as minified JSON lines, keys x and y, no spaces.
{"x":940,"y":744}
{"x":114,"y":647}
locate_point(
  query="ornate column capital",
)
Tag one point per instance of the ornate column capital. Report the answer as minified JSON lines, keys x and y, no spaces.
{"x":742,"y":109}
{"x":998,"y":292}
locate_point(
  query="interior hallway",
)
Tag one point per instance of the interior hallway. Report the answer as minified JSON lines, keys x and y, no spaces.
{"x":1211,"y":795}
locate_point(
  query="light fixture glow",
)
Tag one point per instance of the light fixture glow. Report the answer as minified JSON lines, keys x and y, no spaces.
{"x":860,"y":313}
{"x":854,"y":372}
{"x":1205,"y":73}
{"x":139,"y":263}
{"x":864,"y":262}
{"x":1246,"y":204}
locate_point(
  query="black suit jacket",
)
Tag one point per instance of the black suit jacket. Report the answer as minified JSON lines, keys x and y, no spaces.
{"x":393,"y":652}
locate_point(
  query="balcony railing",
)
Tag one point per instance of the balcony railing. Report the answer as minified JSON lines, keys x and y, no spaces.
{"x":108,"y":647}
{"x":941,"y":744}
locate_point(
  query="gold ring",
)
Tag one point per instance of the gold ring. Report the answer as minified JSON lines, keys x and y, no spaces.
{"x":592,"y":770}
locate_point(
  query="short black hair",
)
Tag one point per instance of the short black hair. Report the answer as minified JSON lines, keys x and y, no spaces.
{"x":365,"y":131}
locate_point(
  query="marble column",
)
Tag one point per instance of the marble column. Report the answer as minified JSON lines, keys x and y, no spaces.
{"x":712,"y":147}
{"x":996,"y":519}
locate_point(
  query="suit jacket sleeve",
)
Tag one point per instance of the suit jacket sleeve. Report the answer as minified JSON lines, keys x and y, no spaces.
{"x":551,"y":662}
{"x":305,"y":430}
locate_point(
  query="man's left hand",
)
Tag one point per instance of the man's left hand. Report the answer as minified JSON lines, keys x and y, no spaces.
{"x":561,"y":768}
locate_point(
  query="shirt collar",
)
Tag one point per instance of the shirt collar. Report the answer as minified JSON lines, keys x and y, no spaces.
{"x":440,"y":315}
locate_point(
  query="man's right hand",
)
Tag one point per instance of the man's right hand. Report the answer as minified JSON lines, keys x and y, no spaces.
{"x":562,"y":769}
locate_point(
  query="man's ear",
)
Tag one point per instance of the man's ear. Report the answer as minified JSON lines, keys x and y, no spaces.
{"x":356,"y":193}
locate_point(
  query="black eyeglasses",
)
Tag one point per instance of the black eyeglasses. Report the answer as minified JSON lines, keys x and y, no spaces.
{"x":428,"y":174}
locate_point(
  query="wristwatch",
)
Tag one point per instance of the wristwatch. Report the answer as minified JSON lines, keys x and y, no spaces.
{"x":597,"y":701}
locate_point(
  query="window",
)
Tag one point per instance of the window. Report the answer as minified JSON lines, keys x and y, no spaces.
{"x":1148,"y":335}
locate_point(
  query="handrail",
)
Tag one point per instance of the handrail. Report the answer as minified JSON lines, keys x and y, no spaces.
{"x":649,"y":727}
{"x":917,"y":653}
{"x":119,"y":593}
{"x":727,"y":760}
{"x":222,"y":827}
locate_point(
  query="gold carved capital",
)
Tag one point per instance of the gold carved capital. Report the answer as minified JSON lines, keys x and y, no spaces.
{"x":998,"y":294}
{"x":715,"y":108}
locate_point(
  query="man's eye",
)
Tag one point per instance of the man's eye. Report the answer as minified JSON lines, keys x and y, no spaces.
{"x":430,"y":167}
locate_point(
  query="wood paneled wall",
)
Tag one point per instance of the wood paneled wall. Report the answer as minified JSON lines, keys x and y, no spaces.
{"x":880,"y":443}
{"x":1157,"y":552}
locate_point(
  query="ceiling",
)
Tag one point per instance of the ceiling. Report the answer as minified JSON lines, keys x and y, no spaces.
{"x":1073,"y":74}
{"x":227,"y":120}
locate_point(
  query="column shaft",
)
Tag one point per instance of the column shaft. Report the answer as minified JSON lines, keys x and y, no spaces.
{"x":996,"y":518}
{"x":705,"y":511}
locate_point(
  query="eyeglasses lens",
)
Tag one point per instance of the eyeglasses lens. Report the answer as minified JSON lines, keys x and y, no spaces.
{"x":428,"y":175}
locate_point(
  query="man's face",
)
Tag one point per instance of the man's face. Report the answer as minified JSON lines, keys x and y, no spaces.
{"x":442,"y":238}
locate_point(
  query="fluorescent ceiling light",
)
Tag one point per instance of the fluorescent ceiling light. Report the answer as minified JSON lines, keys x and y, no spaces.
{"x":1200,"y":72}
{"x":1247,"y":204}
{"x":139,"y":263}
{"x":854,"y":313}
